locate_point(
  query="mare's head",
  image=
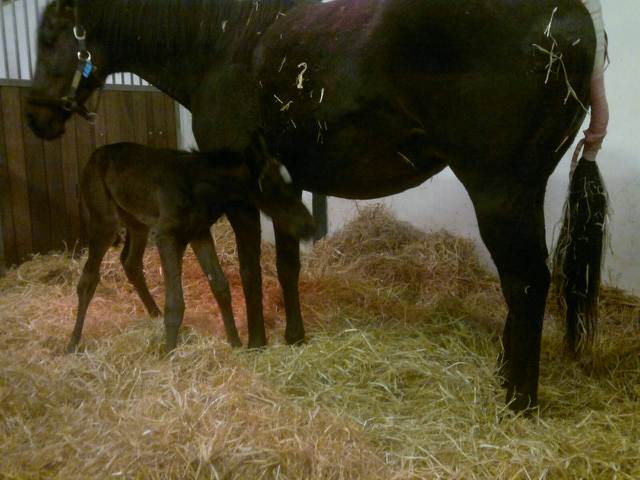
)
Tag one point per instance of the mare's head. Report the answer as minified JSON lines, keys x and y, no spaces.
{"x":275,"y":193}
{"x":64,"y":48}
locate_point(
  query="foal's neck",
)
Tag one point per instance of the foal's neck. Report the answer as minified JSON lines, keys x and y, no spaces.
{"x":175,"y":44}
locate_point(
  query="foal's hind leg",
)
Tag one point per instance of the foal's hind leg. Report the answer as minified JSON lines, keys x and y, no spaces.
{"x":131,"y":259}
{"x":100,"y":239}
{"x":511,"y":221}
{"x":205,"y":251}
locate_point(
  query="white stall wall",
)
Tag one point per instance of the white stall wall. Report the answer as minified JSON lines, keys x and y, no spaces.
{"x":442,"y":203}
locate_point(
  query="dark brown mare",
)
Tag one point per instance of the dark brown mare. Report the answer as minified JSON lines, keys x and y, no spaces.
{"x":178,"y":195}
{"x":365,"y":98}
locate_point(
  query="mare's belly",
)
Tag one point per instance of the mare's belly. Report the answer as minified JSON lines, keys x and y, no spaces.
{"x":369,"y":154}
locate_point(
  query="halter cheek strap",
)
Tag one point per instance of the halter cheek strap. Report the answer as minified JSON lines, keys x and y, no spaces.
{"x":84,"y":71}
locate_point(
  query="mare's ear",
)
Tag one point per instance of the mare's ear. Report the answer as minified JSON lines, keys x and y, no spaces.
{"x":64,"y":4}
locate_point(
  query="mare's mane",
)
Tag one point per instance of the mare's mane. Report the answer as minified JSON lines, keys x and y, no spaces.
{"x":172,"y":27}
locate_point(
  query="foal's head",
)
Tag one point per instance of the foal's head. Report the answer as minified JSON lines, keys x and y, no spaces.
{"x":273,"y":192}
{"x":277,"y":196}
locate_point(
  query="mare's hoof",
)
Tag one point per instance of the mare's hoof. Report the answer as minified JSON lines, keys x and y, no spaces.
{"x":294,"y":339}
{"x":155,"y":314}
{"x":503,"y":374}
{"x":521,"y":403}
{"x":257,"y":344}
{"x":235,"y":343}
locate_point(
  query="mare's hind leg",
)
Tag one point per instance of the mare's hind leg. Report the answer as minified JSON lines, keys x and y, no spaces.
{"x":171,"y":251}
{"x":511,"y":221}
{"x":131,"y":259}
{"x":205,"y":251}
{"x":288,"y":266}
{"x":100,"y":239}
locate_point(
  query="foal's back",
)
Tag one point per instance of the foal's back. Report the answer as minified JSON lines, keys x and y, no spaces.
{"x":150,"y":184}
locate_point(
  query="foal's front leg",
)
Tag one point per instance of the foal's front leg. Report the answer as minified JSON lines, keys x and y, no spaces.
{"x":100,"y":239}
{"x":205,"y":251}
{"x":171,"y":252}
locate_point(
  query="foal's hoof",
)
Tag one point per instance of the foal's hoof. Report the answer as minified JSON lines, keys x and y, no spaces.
{"x":72,"y":347}
{"x":235,"y":343}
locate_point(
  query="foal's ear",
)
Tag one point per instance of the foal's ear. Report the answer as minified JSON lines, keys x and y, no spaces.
{"x":257,"y":152}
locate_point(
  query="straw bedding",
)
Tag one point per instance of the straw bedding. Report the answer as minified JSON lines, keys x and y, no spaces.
{"x":396,"y":380}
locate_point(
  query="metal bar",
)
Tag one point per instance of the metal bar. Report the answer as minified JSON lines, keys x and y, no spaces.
{"x":27,"y":32}
{"x":15,"y":39}
{"x":4,"y":41}
{"x":39,"y":10}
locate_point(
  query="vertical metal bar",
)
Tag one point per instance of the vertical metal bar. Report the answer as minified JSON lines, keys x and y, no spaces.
{"x":5,"y":51}
{"x":25,"y":12}
{"x":42,"y":4}
{"x":15,"y":39}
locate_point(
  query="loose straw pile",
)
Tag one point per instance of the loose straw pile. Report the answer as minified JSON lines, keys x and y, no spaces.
{"x":396,"y":380}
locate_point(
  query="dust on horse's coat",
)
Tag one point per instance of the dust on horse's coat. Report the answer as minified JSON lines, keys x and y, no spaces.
{"x":365,"y":98}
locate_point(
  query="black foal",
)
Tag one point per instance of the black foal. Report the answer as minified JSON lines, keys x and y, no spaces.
{"x":180,"y":195}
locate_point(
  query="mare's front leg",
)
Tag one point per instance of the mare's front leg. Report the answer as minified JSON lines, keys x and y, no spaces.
{"x":205,"y":251}
{"x":245,"y":221}
{"x":288,"y":266}
{"x":171,"y":252}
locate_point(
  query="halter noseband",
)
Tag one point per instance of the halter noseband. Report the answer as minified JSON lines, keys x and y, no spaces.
{"x":84,"y":70}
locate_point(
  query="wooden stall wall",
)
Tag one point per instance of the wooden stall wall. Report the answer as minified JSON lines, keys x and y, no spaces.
{"x":39,"y":203}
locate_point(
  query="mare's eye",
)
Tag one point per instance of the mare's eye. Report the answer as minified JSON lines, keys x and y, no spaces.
{"x":47,"y":41}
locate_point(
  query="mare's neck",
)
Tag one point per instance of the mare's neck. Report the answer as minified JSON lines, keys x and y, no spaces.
{"x":175,"y":44}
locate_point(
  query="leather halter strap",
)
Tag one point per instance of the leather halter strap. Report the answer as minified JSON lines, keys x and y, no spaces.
{"x":85,"y":70}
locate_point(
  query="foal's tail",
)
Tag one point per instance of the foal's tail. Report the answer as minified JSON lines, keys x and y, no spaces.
{"x":578,"y":255}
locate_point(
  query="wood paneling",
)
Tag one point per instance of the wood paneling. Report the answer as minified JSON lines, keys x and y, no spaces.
{"x":39,"y":202}
{"x":16,"y":164}
{"x":7,"y":236}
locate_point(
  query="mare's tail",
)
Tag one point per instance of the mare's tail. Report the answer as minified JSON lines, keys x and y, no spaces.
{"x":578,"y":255}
